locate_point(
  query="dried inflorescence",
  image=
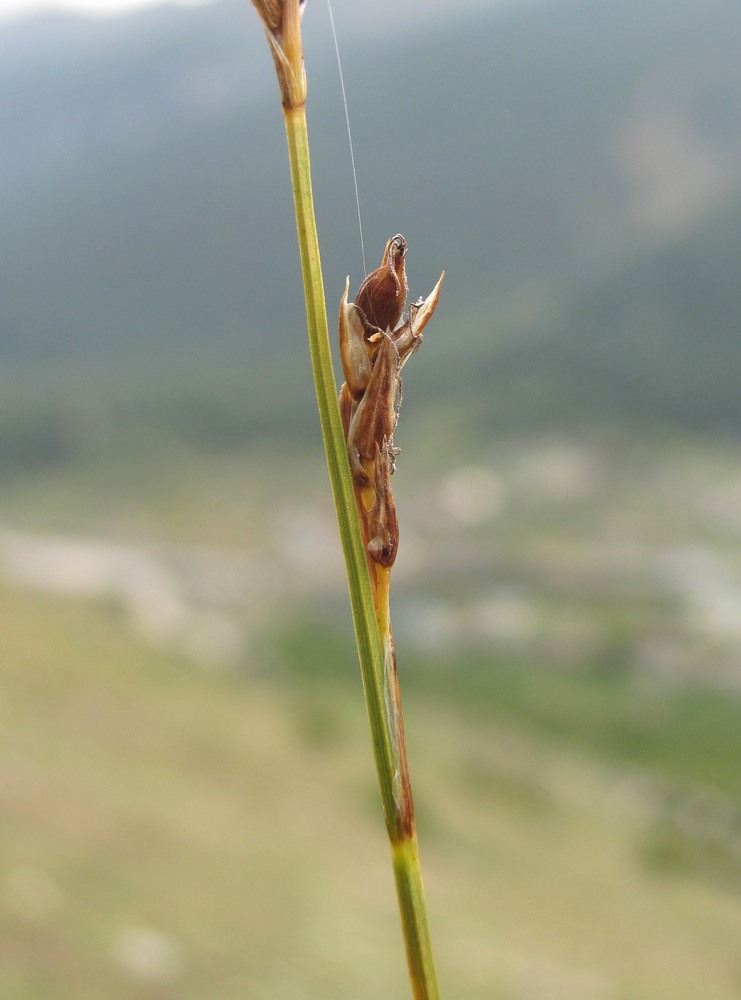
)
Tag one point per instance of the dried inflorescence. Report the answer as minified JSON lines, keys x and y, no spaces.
{"x":374,"y":349}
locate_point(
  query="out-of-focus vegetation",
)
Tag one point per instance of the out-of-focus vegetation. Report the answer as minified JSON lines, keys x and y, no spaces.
{"x":186,"y":773}
{"x":186,"y":784}
{"x":175,"y":832}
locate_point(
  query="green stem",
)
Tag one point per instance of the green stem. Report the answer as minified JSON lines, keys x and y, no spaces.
{"x":410,"y":893}
{"x":407,"y":870}
{"x":386,"y":745}
{"x":361,"y":595}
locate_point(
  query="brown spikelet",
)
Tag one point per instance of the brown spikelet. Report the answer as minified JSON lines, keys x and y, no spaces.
{"x":383,"y":294}
{"x":373,"y":348}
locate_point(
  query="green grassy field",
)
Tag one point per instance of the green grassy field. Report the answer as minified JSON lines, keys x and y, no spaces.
{"x":175,"y":832}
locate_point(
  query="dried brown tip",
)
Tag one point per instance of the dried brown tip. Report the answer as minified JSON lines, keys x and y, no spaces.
{"x":281,"y":20}
{"x":271,"y":12}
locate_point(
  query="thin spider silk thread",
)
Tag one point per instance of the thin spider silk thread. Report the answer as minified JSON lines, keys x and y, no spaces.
{"x":349,"y":133}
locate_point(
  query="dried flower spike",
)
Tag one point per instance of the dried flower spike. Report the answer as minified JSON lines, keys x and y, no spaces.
{"x":373,"y":349}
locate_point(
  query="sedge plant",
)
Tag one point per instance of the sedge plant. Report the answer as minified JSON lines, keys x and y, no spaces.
{"x":357,"y":432}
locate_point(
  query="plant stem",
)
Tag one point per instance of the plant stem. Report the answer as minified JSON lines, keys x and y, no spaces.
{"x":407,"y":869}
{"x":372,"y":623}
{"x":368,"y":582}
{"x":361,"y":595}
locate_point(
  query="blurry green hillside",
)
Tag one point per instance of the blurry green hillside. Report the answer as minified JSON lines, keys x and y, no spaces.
{"x":175,"y":832}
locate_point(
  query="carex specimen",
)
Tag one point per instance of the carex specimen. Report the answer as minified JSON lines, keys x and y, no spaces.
{"x":358,"y":441}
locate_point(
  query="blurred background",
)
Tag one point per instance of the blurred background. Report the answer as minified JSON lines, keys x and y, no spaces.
{"x":187,"y":792}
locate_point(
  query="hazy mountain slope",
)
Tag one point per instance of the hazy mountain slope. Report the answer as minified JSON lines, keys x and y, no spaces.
{"x":573,"y":165}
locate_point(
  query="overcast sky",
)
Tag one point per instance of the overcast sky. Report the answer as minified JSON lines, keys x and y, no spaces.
{"x":14,"y":9}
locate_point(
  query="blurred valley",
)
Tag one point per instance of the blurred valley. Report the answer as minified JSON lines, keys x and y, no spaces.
{"x":185,"y":776}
